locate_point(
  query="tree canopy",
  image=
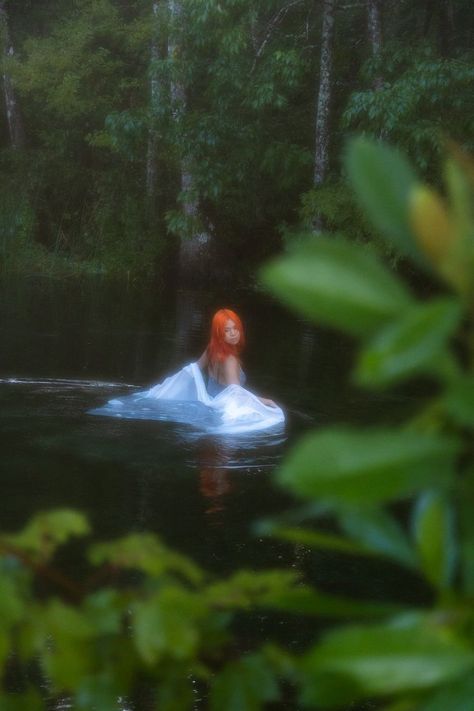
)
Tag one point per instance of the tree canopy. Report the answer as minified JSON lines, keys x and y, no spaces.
{"x":138,"y":116}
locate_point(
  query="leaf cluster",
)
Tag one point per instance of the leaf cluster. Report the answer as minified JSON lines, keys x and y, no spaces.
{"x":145,"y":620}
{"x":424,"y":96}
{"x":419,"y":658}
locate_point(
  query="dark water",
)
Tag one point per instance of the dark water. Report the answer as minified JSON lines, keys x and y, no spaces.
{"x":68,"y":346}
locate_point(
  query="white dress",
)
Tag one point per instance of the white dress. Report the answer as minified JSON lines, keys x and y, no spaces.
{"x":183,"y":397}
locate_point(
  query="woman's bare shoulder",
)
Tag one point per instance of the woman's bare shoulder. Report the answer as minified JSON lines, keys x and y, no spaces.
{"x":231,"y":362}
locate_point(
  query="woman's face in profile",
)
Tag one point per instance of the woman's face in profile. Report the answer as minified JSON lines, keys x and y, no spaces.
{"x":231,"y":333}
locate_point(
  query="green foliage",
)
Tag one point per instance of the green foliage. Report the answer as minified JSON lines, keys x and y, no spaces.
{"x":380,"y":533}
{"x":415,"y":344}
{"x":77,"y":174}
{"x":420,"y":660}
{"x":411,"y":652}
{"x":335,"y":204}
{"x":423,"y":98}
{"x":142,"y":617}
{"x":337,"y":283}
{"x":45,"y":532}
{"x":245,"y":685}
{"x":226,"y":89}
{"x":344,"y":466}
{"x":382,"y":181}
{"x":433,"y":524}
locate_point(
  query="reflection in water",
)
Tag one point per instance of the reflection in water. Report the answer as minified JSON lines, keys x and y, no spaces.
{"x":132,"y":471}
{"x":214,"y":478}
{"x":189,"y":323}
{"x":222,"y":460}
{"x":56,"y":384}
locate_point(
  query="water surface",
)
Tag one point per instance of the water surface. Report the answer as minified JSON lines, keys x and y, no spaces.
{"x":69,"y":346}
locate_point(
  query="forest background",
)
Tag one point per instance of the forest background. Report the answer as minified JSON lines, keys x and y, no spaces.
{"x":137,"y":134}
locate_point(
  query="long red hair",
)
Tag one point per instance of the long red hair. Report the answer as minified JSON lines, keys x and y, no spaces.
{"x":217,"y":349}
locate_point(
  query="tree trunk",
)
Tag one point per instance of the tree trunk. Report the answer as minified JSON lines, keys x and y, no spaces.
{"x":445,"y":27}
{"x":322,"y":133}
{"x":194,"y":247}
{"x":15,"y":126}
{"x":375,"y":36}
{"x":155,"y":95}
{"x":321,"y":156}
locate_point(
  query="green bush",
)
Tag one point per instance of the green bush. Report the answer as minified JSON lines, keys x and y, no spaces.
{"x":419,"y":658}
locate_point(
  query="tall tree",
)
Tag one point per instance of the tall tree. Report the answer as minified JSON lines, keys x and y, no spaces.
{"x":322,"y":133}
{"x":194,"y":242}
{"x":15,"y":125}
{"x":375,"y":37}
{"x":321,"y":154}
{"x":155,"y":95}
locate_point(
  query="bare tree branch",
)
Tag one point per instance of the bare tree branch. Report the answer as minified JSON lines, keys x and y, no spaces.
{"x":271,"y":26}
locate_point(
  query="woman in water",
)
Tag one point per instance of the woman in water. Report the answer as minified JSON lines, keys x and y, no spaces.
{"x":221,"y":359}
{"x":186,"y":398}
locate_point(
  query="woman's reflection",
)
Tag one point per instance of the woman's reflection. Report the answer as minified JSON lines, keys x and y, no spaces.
{"x":215,"y":481}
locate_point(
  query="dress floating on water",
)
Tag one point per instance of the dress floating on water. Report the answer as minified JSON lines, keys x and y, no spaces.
{"x":183,"y":398}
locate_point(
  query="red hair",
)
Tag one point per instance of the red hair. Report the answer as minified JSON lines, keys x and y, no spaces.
{"x":218,"y":349}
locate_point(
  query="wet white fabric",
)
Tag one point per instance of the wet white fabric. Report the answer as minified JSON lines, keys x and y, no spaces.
{"x":183,"y":397}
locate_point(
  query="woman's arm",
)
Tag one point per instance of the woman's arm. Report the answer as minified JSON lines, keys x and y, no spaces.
{"x":231,"y":371}
{"x":266,"y":401}
{"x":232,"y":377}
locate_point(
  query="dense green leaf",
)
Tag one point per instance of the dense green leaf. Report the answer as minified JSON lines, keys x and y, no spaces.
{"x":48,"y":530}
{"x":367,"y":466}
{"x":407,"y":654}
{"x":11,"y":604}
{"x":461,"y":192}
{"x":139,"y":551}
{"x":318,"y":539}
{"x":379,"y":532}
{"x":457,"y":696}
{"x":12,"y":609}
{"x":412,"y":106}
{"x":433,"y":528}
{"x":308,"y":601}
{"x":459,"y":401}
{"x":104,"y":610}
{"x":339,"y":284}
{"x":244,"y":685}
{"x":410,"y":345}
{"x":167,"y":624}
{"x":327,"y":689}
{"x":26,"y":701}
{"x":66,"y":645}
{"x":404,"y":704}
{"x":466,"y":531}
{"x":175,"y":692}
{"x":100,"y":691}
{"x":382,"y":179}
{"x":145,"y":552}
{"x":247,"y":587}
